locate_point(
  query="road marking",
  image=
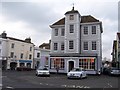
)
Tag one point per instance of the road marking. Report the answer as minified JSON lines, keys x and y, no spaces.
{"x":86,"y":87}
{"x":109,"y":85}
{"x":9,"y":87}
{"x":0,"y":85}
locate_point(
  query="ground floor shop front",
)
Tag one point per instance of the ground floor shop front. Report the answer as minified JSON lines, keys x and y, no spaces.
{"x":92,"y":65}
{"x":14,"y":64}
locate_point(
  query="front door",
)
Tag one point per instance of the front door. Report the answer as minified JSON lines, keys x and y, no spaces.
{"x":71,"y":65}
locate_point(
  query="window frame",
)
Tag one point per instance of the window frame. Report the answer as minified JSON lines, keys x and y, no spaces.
{"x":71,"y":44}
{"x":94,"y":31}
{"x":71,"y":28}
{"x":94,"y":48}
{"x":71,"y":17}
{"x":55,"y":46}
{"x":62,"y":32}
{"x":84,"y":47}
{"x":56,"y":32}
{"x":85,"y":30}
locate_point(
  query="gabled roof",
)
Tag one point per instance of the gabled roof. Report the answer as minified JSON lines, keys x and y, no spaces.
{"x":84,"y":19}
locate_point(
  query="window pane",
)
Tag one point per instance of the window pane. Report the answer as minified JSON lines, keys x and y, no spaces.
{"x":62,"y":32}
{"x":62,"y":46}
{"x":56,"y":32}
{"x":93,"y":45}
{"x":71,"y":28}
{"x":55,"y":46}
{"x":85,"y":45}
{"x":71,"y":17}
{"x":93,"y":29}
{"x":86,"y":30}
{"x":71,"y":44}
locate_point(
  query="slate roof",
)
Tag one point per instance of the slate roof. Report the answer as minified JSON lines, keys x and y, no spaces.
{"x":84,"y":19}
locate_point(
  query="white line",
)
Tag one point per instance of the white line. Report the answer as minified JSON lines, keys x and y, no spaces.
{"x":109,"y":85}
{"x":9,"y":87}
{"x":0,"y":85}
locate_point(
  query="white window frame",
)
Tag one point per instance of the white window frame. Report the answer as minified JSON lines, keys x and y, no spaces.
{"x":84,"y":30}
{"x":55,"y":47}
{"x":94,"y":31}
{"x":71,"y":28}
{"x":94,"y":43}
{"x":56,"y":32}
{"x":84,"y":43}
{"x":71,"y":44}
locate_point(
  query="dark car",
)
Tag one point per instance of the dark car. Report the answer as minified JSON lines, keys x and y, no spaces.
{"x":114,"y":71}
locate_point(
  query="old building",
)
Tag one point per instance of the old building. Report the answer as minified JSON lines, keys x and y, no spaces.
{"x":15,"y":52}
{"x":76,"y":42}
{"x":116,"y":52}
{"x":41,"y":57}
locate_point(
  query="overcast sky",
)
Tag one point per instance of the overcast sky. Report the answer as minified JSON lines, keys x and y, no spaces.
{"x":31,"y":18}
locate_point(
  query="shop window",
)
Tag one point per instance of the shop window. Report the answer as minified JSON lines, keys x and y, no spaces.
{"x":88,"y":64}
{"x":57,"y":62}
{"x":22,"y":64}
{"x":29,"y":65}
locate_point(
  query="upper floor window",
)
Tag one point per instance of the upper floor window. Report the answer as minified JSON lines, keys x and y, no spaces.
{"x":21,"y":56}
{"x":12,"y":54}
{"x":62,"y":46}
{"x":56,"y":32}
{"x":85,"y":45}
{"x":62,"y":32}
{"x":71,"y":44}
{"x":94,"y":45}
{"x":30,"y":56}
{"x":55,"y":46}
{"x":38,"y":55}
{"x":71,"y":28}
{"x":93,"y":29}
{"x":30,"y":48}
{"x":86,"y":30}
{"x":71,"y":17}
{"x":12,"y":45}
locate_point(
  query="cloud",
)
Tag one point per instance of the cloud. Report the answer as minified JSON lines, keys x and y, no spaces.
{"x":28,"y":18}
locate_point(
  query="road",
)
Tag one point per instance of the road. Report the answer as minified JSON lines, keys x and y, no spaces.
{"x":27,"y":79}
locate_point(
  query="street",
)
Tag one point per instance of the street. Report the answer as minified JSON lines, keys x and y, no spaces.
{"x":27,"y":79}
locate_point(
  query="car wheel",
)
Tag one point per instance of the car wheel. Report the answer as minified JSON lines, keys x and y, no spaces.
{"x":81,"y":76}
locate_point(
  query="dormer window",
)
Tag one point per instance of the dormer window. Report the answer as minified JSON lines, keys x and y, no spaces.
{"x":71,"y":17}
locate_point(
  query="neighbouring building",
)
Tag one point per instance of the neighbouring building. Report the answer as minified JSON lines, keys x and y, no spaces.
{"x":41,"y":57}
{"x":116,"y":52}
{"x":45,"y":45}
{"x":76,"y":41}
{"x":15,"y":52}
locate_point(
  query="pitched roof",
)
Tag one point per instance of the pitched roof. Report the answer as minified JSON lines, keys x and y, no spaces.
{"x":118,"y":34}
{"x":84,"y":19}
{"x":45,"y":45}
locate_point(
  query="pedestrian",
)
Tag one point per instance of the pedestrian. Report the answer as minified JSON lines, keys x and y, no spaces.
{"x":57,"y":69}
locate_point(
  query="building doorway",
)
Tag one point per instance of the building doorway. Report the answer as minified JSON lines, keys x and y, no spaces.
{"x":71,"y":65}
{"x":4,"y":64}
{"x":13,"y":65}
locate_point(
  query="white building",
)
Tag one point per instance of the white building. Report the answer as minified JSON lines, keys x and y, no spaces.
{"x":41,"y":57}
{"x":76,"y":42}
{"x":15,"y":52}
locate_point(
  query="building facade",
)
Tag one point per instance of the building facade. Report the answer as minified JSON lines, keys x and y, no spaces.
{"x":41,"y":57}
{"x":116,"y":51}
{"x":16,"y":52}
{"x":76,"y":42}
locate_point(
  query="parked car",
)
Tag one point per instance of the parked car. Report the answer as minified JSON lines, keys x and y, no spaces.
{"x":42,"y":72}
{"x":77,"y":73}
{"x":114,"y":71}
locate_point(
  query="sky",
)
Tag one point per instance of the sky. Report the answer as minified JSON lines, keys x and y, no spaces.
{"x":32,"y":18}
